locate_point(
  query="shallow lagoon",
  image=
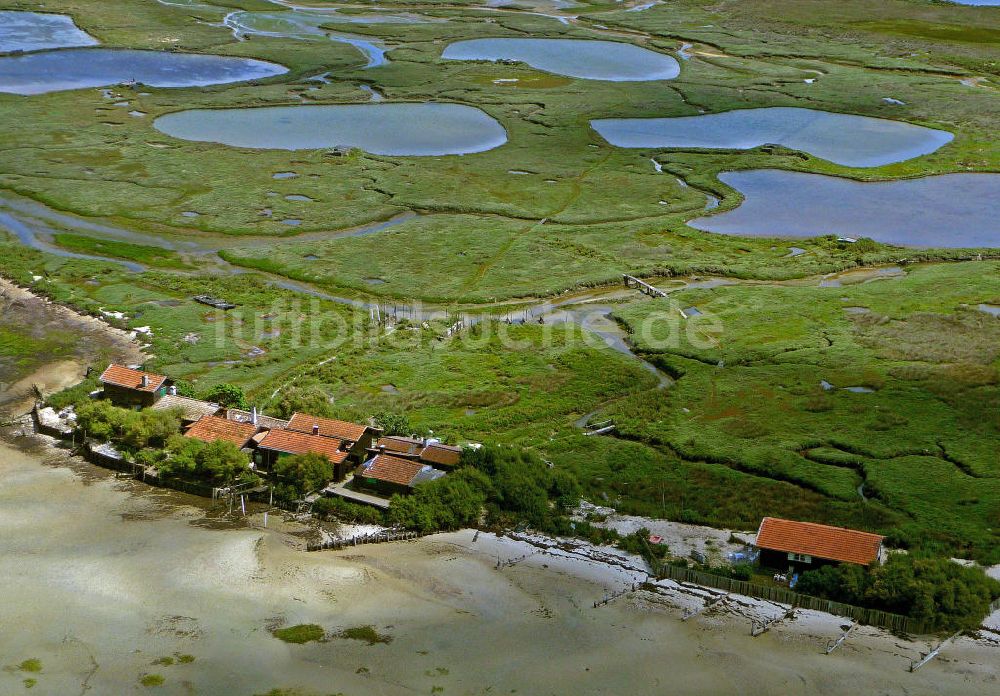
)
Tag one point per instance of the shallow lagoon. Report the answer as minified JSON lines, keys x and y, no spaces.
{"x":53,"y":71}
{"x":951,"y":210}
{"x":853,"y":141}
{"x":592,"y":60}
{"x":35,"y":31}
{"x":382,"y":129}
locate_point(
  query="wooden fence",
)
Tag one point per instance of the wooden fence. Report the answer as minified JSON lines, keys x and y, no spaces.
{"x":374,"y":538}
{"x":873,"y":617}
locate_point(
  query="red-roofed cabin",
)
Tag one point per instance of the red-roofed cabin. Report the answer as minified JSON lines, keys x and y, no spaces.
{"x":388,"y":474}
{"x":357,"y":438}
{"x":133,"y":388}
{"x":282,"y":443}
{"x":212,"y":428}
{"x":807,"y":545}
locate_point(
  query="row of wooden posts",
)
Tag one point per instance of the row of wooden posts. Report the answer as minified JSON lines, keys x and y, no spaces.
{"x":373,"y":538}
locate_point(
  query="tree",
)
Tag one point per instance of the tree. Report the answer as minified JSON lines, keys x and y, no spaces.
{"x":392,"y":423}
{"x":101,"y":420}
{"x":450,"y":502}
{"x":228,"y":395}
{"x":220,"y":462}
{"x":937,"y":591}
{"x":309,"y":399}
{"x":304,"y":472}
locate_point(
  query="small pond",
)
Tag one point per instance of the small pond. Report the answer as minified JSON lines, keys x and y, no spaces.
{"x":853,"y":141}
{"x":53,"y":71}
{"x":406,"y":129}
{"x":35,"y":31}
{"x":950,"y":210}
{"x":592,"y":60}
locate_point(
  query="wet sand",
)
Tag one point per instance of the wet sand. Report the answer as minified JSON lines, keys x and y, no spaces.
{"x":102,"y":577}
{"x":95,"y":341}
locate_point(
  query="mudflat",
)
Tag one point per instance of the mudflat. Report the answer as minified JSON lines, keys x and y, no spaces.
{"x":142,"y":575}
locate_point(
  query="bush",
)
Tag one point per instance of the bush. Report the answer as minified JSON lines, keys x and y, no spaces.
{"x":392,"y":423}
{"x":302,"y":633}
{"x":310,"y":399}
{"x":133,"y":430}
{"x":513,"y":485}
{"x":325,"y":508}
{"x":303,"y":473}
{"x":937,"y":591}
{"x":228,"y":395}
{"x":220,"y":463}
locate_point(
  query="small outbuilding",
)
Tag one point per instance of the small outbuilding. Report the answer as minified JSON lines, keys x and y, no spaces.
{"x":132,"y":388}
{"x":276,"y":444}
{"x":807,"y":545}
{"x":190,"y":409}
{"x":390,"y":475}
{"x":214,"y":428}
{"x":358,"y":436}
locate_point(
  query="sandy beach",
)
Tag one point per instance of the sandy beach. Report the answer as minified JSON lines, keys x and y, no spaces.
{"x":103,"y":577}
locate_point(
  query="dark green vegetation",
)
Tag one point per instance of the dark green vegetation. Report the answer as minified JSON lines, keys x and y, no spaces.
{"x":150,"y":680}
{"x":299,"y":634}
{"x":915,"y":458}
{"x":512,"y":486}
{"x":368,"y":634}
{"x":152,"y":438}
{"x":936,"y":591}
{"x":763,"y":390}
{"x":300,"y":474}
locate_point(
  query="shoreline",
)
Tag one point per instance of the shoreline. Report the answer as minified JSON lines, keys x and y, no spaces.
{"x":541,"y":585}
{"x":66,"y":371}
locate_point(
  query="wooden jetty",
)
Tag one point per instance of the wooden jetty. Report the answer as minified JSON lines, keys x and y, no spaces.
{"x":642,"y":286}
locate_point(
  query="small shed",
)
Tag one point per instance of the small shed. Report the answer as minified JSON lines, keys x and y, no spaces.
{"x":359,"y":436}
{"x":190,"y":409}
{"x":276,"y":444}
{"x":214,"y":428}
{"x":807,"y":545}
{"x":128,"y":387}
{"x":389,"y":475}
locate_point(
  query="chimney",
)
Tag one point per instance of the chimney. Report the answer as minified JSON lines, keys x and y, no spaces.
{"x":145,"y":381}
{"x":254,"y":416}
{"x":315,"y":429}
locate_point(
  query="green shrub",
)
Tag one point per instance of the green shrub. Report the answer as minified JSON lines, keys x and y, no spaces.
{"x":299,"y":634}
{"x":367,"y":634}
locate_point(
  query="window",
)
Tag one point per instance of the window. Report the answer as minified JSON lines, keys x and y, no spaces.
{"x":800,"y":557}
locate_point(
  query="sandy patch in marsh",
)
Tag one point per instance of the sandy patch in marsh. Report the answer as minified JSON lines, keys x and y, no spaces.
{"x":96,"y":339}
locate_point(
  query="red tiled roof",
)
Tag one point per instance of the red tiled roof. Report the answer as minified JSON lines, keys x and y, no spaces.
{"x":445,"y":455}
{"x":126,"y":377}
{"x":212,"y":428}
{"x":292,"y":442}
{"x":401,"y":445}
{"x":342,"y":430}
{"x":818,"y":540}
{"x":391,"y":469}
